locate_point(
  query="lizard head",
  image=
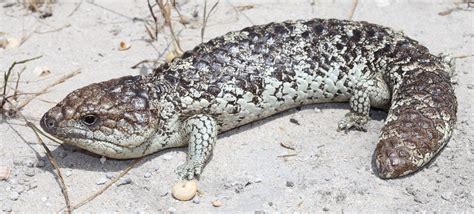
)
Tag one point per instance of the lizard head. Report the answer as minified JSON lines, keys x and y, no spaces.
{"x":114,"y":118}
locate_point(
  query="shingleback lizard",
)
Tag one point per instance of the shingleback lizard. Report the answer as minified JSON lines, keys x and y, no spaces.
{"x":247,"y":75}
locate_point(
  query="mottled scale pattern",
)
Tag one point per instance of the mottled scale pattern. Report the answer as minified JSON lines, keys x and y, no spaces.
{"x":253,"y":73}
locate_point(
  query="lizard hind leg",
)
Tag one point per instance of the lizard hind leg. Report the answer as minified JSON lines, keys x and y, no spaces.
{"x":373,"y":92}
{"x":202,"y":132}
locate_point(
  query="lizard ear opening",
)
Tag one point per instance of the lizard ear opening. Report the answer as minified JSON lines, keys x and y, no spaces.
{"x":89,"y":120}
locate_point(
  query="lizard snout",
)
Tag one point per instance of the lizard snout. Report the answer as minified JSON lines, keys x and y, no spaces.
{"x":49,"y":121}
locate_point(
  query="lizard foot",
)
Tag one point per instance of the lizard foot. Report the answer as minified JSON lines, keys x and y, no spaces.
{"x":189,"y":170}
{"x":353,"y":121}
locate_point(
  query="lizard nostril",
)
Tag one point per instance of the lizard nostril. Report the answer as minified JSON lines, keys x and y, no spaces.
{"x":50,"y":123}
{"x":47,"y":123}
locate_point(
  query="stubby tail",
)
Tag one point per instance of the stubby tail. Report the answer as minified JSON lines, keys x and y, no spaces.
{"x":420,"y":120}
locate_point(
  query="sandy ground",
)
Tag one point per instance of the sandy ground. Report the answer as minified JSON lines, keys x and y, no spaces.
{"x":331,"y":171}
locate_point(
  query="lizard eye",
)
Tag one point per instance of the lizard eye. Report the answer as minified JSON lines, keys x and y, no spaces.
{"x":89,"y":120}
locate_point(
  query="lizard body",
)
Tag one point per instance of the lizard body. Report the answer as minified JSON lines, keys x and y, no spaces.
{"x":247,"y":75}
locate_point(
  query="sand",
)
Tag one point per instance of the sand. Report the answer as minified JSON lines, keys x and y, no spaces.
{"x":250,"y":171}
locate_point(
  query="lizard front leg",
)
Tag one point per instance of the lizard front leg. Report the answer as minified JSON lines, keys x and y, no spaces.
{"x":372,"y":92}
{"x":202,"y":132}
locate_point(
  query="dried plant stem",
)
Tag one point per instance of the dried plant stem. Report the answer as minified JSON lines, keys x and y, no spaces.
{"x":205,"y":17}
{"x":51,"y":159}
{"x":154,"y":34}
{"x":54,"y":30}
{"x":106,"y":186}
{"x":144,"y":61}
{"x":54,"y":163}
{"x":353,"y":9}
{"x":463,"y":56}
{"x":165,"y":10}
{"x":45,"y":89}
{"x":7,"y":74}
{"x":75,"y":9}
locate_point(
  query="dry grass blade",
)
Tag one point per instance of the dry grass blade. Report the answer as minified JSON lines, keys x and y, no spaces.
{"x":144,"y":61}
{"x":463,"y":56}
{"x":165,"y":9}
{"x":206,"y":16}
{"x":45,"y":89}
{"x":54,"y":30}
{"x":75,"y":9}
{"x":154,"y":34}
{"x":353,"y":8}
{"x":106,"y":186}
{"x":288,"y":155}
{"x":7,"y":74}
{"x":54,"y":163}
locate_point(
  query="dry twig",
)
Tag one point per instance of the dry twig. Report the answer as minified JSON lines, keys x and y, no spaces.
{"x":353,"y":9}
{"x":205,"y":17}
{"x":54,"y":163}
{"x":75,"y":9}
{"x":144,"y":61}
{"x":6,"y":77}
{"x":54,"y":30}
{"x":106,"y":186}
{"x":45,"y":89}
{"x":51,"y":159}
{"x":463,"y":56}
{"x":165,"y":9}
{"x":155,"y":29}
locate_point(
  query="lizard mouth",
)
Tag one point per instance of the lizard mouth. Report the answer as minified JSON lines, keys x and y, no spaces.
{"x":99,"y":146}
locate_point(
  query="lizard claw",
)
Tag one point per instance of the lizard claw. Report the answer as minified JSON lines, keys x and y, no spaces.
{"x":353,"y":121}
{"x":189,"y":170}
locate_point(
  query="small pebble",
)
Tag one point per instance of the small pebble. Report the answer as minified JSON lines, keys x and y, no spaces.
{"x":14,"y":196}
{"x":32,"y":186}
{"x":40,"y":163}
{"x":259,"y":212}
{"x":12,"y":181}
{"x":446,"y":196}
{"x":30,"y":172}
{"x":5,"y":172}
{"x":470,"y":86}
{"x":167,"y":156}
{"x":147,"y":175}
{"x":68,"y":173}
{"x":44,"y":199}
{"x":123,"y":46}
{"x":290,"y":184}
{"x":216,"y":203}
{"x":257,"y":180}
{"x":62,"y":153}
{"x":109,"y":175}
{"x":125,"y":181}
{"x":13,"y":43}
{"x":22,"y":181}
{"x":184,"y":190}
{"x":325,"y":209}
{"x":172,"y":210}
{"x":102,"y":160}
{"x":317,"y":110}
{"x":29,"y":163}
{"x":170,"y":56}
{"x":19,"y":189}
{"x":42,"y":71}
{"x":17,"y":162}
{"x":101,"y":181}
{"x":294,"y":121}
{"x":7,"y":208}
{"x":196,"y":200}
